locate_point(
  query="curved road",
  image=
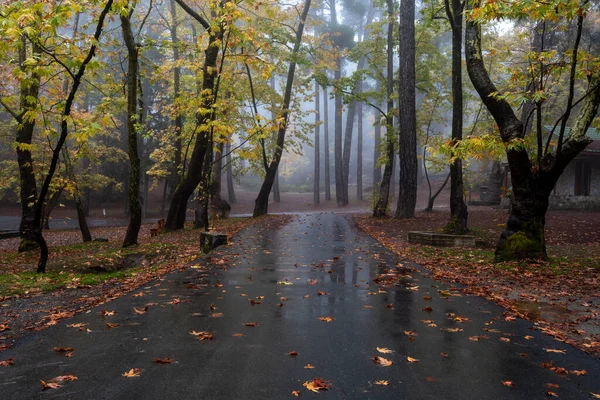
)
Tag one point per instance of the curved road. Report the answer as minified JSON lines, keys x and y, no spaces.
{"x":316,"y":266}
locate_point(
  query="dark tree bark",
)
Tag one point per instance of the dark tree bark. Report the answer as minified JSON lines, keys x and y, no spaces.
{"x":458,"y":207}
{"x":317,"y":171}
{"x":29,"y":93}
{"x":175,"y":175}
{"x":64,"y":132}
{"x":359,"y":148}
{"x":532,"y":181}
{"x":49,"y":206}
{"x":230,"y":189}
{"x":346,"y":152}
{"x":86,"y":235}
{"x":133,"y":190}
{"x":276,"y":193}
{"x":337,"y":139}
{"x":376,"y":147}
{"x":261,"y":206}
{"x":215,"y":185}
{"x":407,"y":196}
{"x":381,"y":205}
{"x":194,"y":173}
{"x":326,"y":140}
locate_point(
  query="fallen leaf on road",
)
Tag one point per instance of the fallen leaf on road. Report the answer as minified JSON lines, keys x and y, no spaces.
{"x":293,"y":353}
{"x":296,"y":393}
{"x":412,"y":360}
{"x":507,"y":383}
{"x":320,"y":293}
{"x":384,"y":350}
{"x":505,"y":339}
{"x":174,"y":301}
{"x":555,"y":351}
{"x":326,"y":319}
{"x":132,"y":373}
{"x":204,"y":335}
{"x":382,"y":382}
{"x":63,"y":349}
{"x":216,"y":315}
{"x":250,"y":323}
{"x":111,"y":325}
{"x":308,"y":366}
{"x":316,"y":385}
{"x":428,"y":309}
{"x":528,"y":337}
{"x":64,"y":378}
{"x":551,"y":394}
{"x":6,"y":363}
{"x":79,"y":326}
{"x":306,"y":296}
{"x":4,"y":327}
{"x":108,"y":313}
{"x":237,"y":334}
{"x":50,"y":385}
{"x":254,"y":302}
{"x":443,"y":354}
{"x":140,"y":311}
{"x":382,"y":361}
{"x":163,"y":360}
{"x":580,"y":372}
{"x":595,"y":396}
{"x":140,"y":294}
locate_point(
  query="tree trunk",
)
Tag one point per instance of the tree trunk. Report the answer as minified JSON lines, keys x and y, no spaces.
{"x":349,"y":131}
{"x":86,"y":236}
{"x":29,"y":93}
{"x":458,"y":207}
{"x":359,"y":149}
{"x":276,"y":193}
{"x":178,"y":207}
{"x":261,"y":206}
{"x":133,"y":191}
{"x":317,"y":171}
{"x":229,"y":169}
{"x":201,"y":215}
{"x":407,"y":195}
{"x":49,"y":206}
{"x":376,"y":147}
{"x":381,"y":205}
{"x":64,"y":132}
{"x":337,"y":148}
{"x":215,"y":185}
{"x":326,"y":140}
{"x":175,"y":175}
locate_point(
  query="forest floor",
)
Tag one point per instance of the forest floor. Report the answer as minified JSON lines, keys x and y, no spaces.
{"x":561,"y":296}
{"x":80,"y":276}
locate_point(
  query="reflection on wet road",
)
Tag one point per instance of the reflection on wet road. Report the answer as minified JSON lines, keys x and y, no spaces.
{"x":287,"y":281}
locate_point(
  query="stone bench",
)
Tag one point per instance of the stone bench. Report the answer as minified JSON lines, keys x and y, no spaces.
{"x":441,"y":239}
{"x":211,"y":240}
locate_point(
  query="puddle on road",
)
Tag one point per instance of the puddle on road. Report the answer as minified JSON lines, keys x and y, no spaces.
{"x":545,"y":311}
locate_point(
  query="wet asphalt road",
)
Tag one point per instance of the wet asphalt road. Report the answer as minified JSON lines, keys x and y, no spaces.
{"x":214,"y":296}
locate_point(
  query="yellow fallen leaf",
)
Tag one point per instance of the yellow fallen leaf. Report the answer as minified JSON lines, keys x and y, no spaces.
{"x":580,"y":372}
{"x":382,"y":361}
{"x":384,"y":350}
{"x":326,"y":319}
{"x":132,"y":373}
{"x":308,"y":366}
{"x":412,"y":360}
{"x":382,"y":382}
{"x":555,"y":351}
{"x":595,"y":396}
{"x":316,"y":384}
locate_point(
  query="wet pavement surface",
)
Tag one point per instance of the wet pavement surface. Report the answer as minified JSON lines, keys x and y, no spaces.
{"x":460,"y":347}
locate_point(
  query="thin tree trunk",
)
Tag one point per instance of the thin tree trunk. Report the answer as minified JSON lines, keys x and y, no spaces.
{"x":261,"y":206}
{"x":230,"y":189}
{"x":133,"y":191}
{"x":49,"y":206}
{"x":29,"y":93}
{"x":337,"y":148}
{"x":376,"y":147}
{"x":458,"y":207}
{"x":64,"y":132}
{"x":326,"y":140}
{"x":86,"y":236}
{"x":359,"y":149}
{"x":317,"y":171}
{"x":407,"y":195}
{"x":194,"y":173}
{"x":215,"y":185}
{"x":346,"y":152}
{"x":276,"y":193}
{"x":381,"y":205}
{"x":175,"y":175}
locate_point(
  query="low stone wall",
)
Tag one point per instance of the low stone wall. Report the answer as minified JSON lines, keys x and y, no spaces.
{"x":441,"y":239}
{"x":574,"y":203}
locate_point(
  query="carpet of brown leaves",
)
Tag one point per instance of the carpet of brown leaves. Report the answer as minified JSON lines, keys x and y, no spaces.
{"x":561,"y":297}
